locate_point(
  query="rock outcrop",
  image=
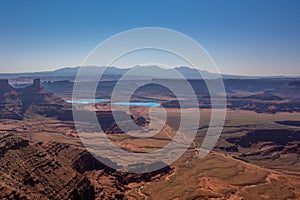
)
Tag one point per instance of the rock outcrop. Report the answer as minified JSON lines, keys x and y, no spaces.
{"x":54,"y":170}
{"x":289,"y":123}
{"x":275,"y":148}
{"x":291,"y":91}
{"x":40,"y":171}
{"x":33,"y":99}
{"x":277,"y":136}
{"x":10,"y":104}
{"x":265,"y":96}
{"x":5,"y":87}
{"x":107,"y":121}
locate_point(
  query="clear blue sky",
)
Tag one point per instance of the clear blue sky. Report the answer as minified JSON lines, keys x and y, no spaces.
{"x":243,"y":37}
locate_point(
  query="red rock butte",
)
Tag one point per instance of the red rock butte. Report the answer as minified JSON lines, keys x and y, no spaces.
{"x":33,"y":99}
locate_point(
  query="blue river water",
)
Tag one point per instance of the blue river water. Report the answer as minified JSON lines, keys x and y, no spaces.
{"x":87,"y":101}
{"x":149,"y":104}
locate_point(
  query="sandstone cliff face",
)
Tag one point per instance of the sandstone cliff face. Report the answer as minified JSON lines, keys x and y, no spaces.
{"x":107,"y":122}
{"x":274,"y":148}
{"x":33,"y":99}
{"x":7,"y":142}
{"x":261,"y":103}
{"x":291,"y":91}
{"x":109,"y":125}
{"x":5,"y":87}
{"x":86,"y":162}
{"x":54,"y":170}
{"x":10,"y":104}
{"x":40,"y":171}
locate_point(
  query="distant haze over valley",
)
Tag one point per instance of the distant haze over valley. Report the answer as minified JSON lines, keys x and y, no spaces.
{"x":69,"y":73}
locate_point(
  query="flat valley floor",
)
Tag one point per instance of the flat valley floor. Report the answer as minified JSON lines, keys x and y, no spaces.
{"x":256,"y":157}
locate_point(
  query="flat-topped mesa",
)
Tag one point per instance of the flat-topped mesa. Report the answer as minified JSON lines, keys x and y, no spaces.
{"x":33,"y":99}
{"x":4,"y":86}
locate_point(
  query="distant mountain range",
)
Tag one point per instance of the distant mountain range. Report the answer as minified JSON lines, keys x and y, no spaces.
{"x":69,"y":73}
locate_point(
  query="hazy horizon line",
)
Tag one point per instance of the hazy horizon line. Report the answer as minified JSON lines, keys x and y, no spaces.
{"x":127,"y":67}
